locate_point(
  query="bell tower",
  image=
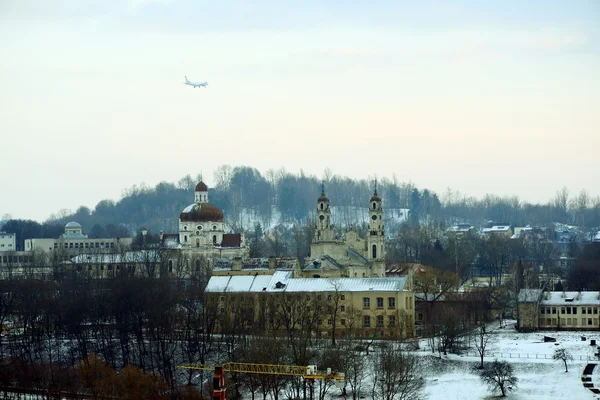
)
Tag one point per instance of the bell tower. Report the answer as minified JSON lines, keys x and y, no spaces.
{"x":323,"y":228}
{"x":376,"y":236}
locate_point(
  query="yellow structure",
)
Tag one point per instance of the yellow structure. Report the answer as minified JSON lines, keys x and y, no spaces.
{"x":326,"y":307}
{"x":351,"y":256}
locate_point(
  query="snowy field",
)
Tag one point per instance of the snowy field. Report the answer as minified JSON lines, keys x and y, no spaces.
{"x":540,"y":377}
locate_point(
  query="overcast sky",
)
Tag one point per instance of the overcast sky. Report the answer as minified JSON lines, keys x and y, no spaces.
{"x":484,"y":97}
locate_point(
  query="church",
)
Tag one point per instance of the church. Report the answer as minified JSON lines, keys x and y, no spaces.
{"x":202,"y":232}
{"x":350,"y":256}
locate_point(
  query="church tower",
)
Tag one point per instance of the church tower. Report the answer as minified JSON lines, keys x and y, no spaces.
{"x":323,"y":229}
{"x":376,"y":236}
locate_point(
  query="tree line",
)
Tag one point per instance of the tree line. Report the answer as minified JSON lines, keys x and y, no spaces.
{"x":243,"y":190}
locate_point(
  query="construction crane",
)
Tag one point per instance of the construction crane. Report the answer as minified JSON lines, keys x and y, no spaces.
{"x":309,"y":373}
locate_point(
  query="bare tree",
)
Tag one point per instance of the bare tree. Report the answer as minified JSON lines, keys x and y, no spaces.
{"x":499,"y":374}
{"x":563,"y":355}
{"x":398,"y":376}
{"x":482,"y":340}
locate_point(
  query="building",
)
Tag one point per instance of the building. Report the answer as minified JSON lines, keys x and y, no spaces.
{"x":500,"y":230}
{"x":253,"y":266}
{"x":203,"y":233}
{"x":74,"y":242}
{"x":7,"y":242}
{"x":460,"y":230}
{"x":539,"y":309}
{"x":352,"y":255}
{"x":343,"y":307}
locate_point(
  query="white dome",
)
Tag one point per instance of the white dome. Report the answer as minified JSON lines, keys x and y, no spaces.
{"x":73,"y":224}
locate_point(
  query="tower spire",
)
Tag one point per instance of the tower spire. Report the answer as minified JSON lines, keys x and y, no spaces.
{"x":322,"y":188}
{"x":375,"y":186}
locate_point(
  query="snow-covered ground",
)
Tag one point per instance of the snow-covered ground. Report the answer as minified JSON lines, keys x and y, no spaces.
{"x":540,"y":377}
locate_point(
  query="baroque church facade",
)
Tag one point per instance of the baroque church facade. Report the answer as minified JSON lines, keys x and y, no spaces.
{"x":202,"y":232}
{"x":351,"y":256}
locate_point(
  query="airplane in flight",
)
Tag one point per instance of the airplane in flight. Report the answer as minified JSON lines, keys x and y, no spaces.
{"x":195,"y":84}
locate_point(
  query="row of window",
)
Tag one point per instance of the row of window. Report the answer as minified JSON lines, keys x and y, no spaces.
{"x":82,"y":245}
{"x":15,"y":259}
{"x":199,"y":228}
{"x":9,"y":245}
{"x":569,"y":322}
{"x":379,"y":321}
{"x":379,"y":301}
{"x":569,"y":310}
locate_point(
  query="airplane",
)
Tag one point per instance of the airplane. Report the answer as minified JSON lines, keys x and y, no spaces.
{"x":195,"y":84}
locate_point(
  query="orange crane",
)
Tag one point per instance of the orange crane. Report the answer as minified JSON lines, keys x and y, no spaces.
{"x":309,"y":373}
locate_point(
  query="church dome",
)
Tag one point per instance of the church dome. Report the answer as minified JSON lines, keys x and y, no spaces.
{"x":201,"y":187}
{"x":203,"y":212}
{"x":73,"y":224}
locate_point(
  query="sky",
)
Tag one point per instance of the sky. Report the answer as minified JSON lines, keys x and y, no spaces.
{"x":482,"y":97}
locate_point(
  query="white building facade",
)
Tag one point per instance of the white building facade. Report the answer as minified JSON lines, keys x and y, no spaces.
{"x":8,"y":242}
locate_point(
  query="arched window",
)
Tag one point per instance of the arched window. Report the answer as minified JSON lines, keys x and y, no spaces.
{"x":198,"y":265}
{"x":170,"y":265}
{"x":185,"y":238}
{"x":374,"y":205}
{"x":214,"y":239}
{"x":374,"y":251}
{"x":322,"y":206}
{"x":197,"y":242}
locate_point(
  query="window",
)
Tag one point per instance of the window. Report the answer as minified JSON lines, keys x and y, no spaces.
{"x":366,"y":302}
{"x":197,"y":265}
{"x":366,"y":321}
{"x":420,"y":317}
{"x":589,"y":310}
{"x":568,"y":310}
{"x":185,"y":238}
{"x":562,"y":310}
{"x":391,"y":302}
{"x":320,"y":322}
{"x":342,"y":308}
{"x":329,"y":322}
{"x":343,"y":322}
{"x":170,"y":265}
{"x":589,"y":321}
{"x":380,"y":302}
{"x":380,"y":321}
{"x":574,"y":310}
{"x":319,"y":298}
{"x":342,"y":297}
{"x":214,"y":239}
{"x":328,"y":297}
{"x":553,"y":310}
{"x":595,"y":310}
{"x":374,"y":205}
{"x":543,"y":310}
{"x":374,"y":251}
{"x":392,"y":321}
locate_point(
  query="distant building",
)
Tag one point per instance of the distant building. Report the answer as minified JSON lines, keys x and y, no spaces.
{"x":7,"y":242}
{"x":74,"y":242}
{"x":558,"y":310}
{"x":504,"y":230}
{"x":459,"y":230}
{"x":202,"y":232}
{"x":351,"y":256}
{"x":381,"y":307}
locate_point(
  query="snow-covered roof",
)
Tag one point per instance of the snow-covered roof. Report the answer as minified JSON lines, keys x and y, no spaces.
{"x":282,"y":281}
{"x":496,"y":228}
{"x":116,"y":258}
{"x":570,"y":298}
{"x":529,"y":295}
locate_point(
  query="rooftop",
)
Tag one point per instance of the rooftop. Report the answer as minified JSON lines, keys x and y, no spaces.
{"x":282,"y":281}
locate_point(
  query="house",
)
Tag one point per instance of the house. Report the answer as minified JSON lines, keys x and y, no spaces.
{"x":500,"y":230}
{"x":323,"y":306}
{"x":558,"y":310}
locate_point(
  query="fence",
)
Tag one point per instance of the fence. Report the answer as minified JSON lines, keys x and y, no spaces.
{"x":489,"y":354}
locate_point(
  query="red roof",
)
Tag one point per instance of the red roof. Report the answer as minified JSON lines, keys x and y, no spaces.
{"x":201,"y":187}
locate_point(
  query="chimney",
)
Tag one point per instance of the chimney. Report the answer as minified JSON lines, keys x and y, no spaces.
{"x":272,"y":262}
{"x":236,"y":264}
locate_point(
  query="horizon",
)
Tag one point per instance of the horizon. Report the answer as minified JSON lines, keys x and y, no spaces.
{"x":480,"y":98}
